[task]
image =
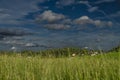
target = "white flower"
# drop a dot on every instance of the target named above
(93, 54)
(73, 55)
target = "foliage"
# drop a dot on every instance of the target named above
(64, 52)
(37, 67)
(115, 49)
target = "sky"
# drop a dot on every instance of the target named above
(49, 24)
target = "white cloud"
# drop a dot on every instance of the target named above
(103, 1)
(109, 23)
(31, 45)
(103, 23)
(57, 26)
(66, 21)
(97, 22)
(85, 20)
(92, 9)
(50, 16)
(3, 15)
(55, 21)
(13, 42)
(85, 3)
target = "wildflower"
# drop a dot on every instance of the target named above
(82, 54)
(73, 55)
(93, 54)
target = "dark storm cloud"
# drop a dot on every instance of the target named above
(14, 31)
(1, 37)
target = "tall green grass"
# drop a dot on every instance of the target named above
(98, 67)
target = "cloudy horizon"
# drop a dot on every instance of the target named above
(48, 24)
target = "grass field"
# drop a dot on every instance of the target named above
(86, 67)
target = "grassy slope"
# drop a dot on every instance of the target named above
(99, 67)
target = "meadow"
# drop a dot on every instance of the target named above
(102, 66)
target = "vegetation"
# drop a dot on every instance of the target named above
(59, 65)
(64, 52)
(116, 49)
